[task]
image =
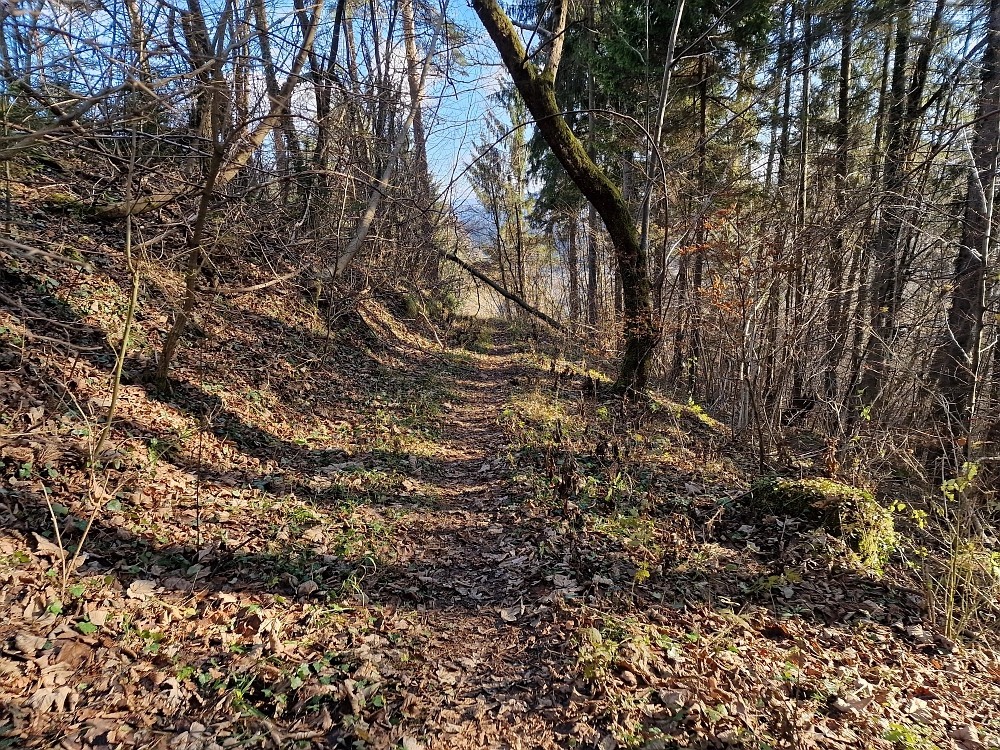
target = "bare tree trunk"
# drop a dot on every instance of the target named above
(573, 261)
(786, 107)
(891, 266)
(592, 266)
(137, 29)
(836, 324)
(779, 71)
(592, 255)
(282, 141)
(375, 195)
(195, 258)
(425, 226)
(959, 362)
(800, 343)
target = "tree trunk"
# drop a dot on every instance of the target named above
(797, 282)
(283, 138)
(835, 324)
(538, 91)
(573, 261)
(959, 360)
(779, 71)
(786, 107)
(428, 260)
(891, 267)
(592, 261)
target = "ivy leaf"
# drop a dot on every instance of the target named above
(86, 627)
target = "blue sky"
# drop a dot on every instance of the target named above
(455, 109)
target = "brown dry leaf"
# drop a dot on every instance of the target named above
(307, 587)
(57, 699)
(409, 701)
(172, 696)
(73, 654)
(28, 644)
(10, 668)
(564, 582)
(45, 547)
(314, 534)
(98, 617)
(510, 614)
(141, 589)
(447, 678)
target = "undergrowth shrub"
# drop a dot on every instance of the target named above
(960, 565)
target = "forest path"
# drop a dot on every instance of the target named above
(472, 565)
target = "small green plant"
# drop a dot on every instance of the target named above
(412, 306)
(596, 654)
(908, 737)
(766, 584)
(163, 448)
(967, 578)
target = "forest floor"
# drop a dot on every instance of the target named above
(349, 536)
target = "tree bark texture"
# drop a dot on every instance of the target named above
(538, 91)
(958, 360)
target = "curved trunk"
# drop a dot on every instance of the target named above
(538, 91)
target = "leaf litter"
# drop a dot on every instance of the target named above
(386, 547)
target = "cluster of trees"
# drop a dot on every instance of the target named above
(798, 198)
(775, 207)
(292, 132)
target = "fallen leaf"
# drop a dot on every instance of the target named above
(314, 534)
(673, 699)
(307, 587)
(564, 582)
(73, 654)
(510, 614)
(57, 699)
(446, 677)
(918, 710)
(28, 644)
(45, 547)
(141, 589)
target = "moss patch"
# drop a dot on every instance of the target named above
(847, 511)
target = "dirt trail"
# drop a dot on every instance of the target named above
(297, 571)
(494, 647)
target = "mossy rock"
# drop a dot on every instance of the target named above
(844, 510)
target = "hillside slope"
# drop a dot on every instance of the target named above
(333, 532)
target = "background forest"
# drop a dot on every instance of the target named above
(812, 186)
(338, 336)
